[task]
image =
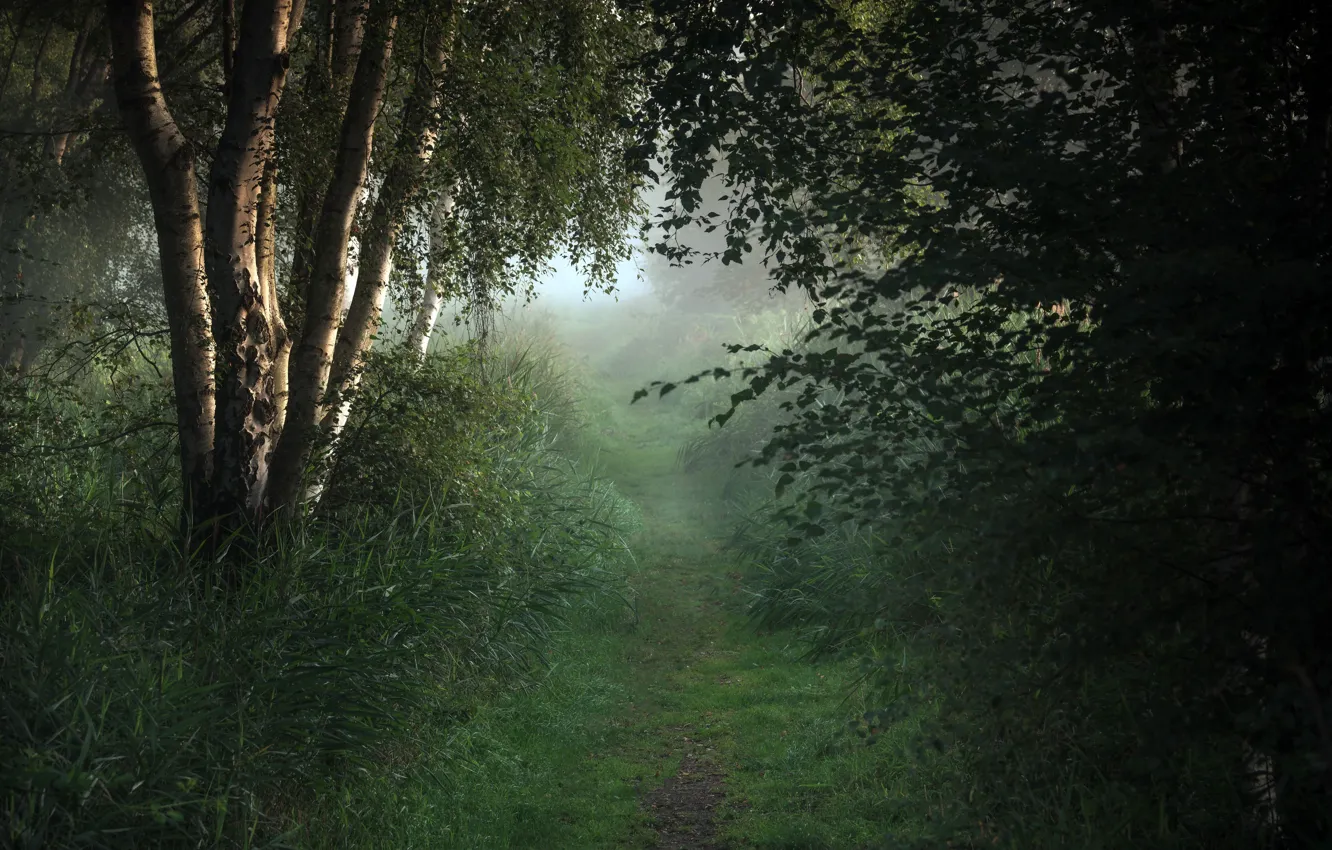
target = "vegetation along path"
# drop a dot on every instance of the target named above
(684, 726)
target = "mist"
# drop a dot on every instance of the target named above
(602, 425)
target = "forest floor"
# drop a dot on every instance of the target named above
(676, 724)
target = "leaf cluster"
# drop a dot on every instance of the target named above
(1068, 368)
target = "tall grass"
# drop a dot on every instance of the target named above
(146, 701)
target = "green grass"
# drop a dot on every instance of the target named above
(633, 688)
(682, 670)
(280, 697)
(472, 674)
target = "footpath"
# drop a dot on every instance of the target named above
(678, 724)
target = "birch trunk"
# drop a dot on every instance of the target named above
(325, 97)
(168, 162)
(418, 341)
(312, 356)
(349, 19)
(35, 89)
(80, 62)
(432, 299)
(228, 38)
(13, 321)
(242, 306)
(88, 87)
(265, 239)
(415, 147)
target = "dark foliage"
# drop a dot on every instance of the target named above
(1070, 366)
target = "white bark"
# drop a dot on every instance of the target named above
(432, 299)
(312, 356)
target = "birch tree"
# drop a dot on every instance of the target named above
(524, 105)
(169, 165)
(313, 354)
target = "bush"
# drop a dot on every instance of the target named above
(1078, 683)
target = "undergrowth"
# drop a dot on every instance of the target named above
(1046, 707)
(1062, 708)
(151, 699)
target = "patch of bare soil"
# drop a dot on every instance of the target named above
(685, 806)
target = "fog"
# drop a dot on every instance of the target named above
(564, 284)
(662, 320)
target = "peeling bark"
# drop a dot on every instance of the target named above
(266, 261)
(243, 328)
(312, 356)
(168, 162)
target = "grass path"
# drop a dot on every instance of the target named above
(676, 726)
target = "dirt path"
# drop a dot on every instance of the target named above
(677, 726)
(683, 809)
(683, 665)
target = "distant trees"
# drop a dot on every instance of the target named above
(254, 124)
(52, 83)
(1088, 382)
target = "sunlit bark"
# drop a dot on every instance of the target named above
(242, 306)
(416, 146)
(168, 162)
(349, 20)
(266, 261)
(313, 354)
(325, 100)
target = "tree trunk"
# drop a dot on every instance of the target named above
(418, 339)
(35, 90)
(168, 162)
(86, 89)
(242, 324)
(265, 238)
(323, 102)
(78, 55)
(415, 147)
(418, 336)
(312, 356)
(13, 322)
(228, 13)
(348, 36)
